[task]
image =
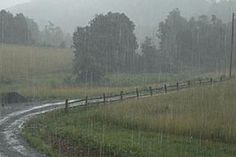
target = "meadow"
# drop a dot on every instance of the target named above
(197, 122)
(46, 73)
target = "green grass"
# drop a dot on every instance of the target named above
(142, 79)
(197, 122)
(46, 73)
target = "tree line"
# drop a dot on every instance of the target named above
(108, 45)
(19, 29)
(201, 44)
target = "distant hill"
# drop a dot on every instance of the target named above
(146, 14)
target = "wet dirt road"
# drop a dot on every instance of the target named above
(12, 118)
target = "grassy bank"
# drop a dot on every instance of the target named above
(198, 122)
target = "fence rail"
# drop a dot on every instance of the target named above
(148, 91)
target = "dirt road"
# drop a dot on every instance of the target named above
(12, 117)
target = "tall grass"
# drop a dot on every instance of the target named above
(203, 112)
(25, 62)
(197, 122)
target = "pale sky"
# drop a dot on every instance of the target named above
(8, 3)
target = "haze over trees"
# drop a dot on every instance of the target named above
(14, 29)
(223, 9)
(146, 14)
(107, 45)
(19, 29)
(198, 44)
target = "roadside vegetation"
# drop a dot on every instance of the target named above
(198, 122)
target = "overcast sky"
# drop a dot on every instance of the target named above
(8, 3)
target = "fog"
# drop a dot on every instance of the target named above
(9, 3)
(145, 14)
(120, 78)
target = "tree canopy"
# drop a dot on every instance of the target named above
(14, 29)
(19, 29)
(106, 45)
(197, 44)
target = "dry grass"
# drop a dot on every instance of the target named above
(48, 92)
(22, 62)
(197, 122)
(203, 112)
(39, 72)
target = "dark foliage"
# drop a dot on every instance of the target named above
(106, 45)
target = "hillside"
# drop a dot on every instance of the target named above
(146, 14)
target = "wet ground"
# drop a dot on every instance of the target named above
(12, 117)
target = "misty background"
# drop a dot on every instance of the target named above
(152, 36)
(145, 14)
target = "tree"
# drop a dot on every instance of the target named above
(14, 29)
(194, 44)
(150, 55)
(6, 27)
(107, 44)
(34, 31)
(52, 35)
(168, 35)
(21, 33)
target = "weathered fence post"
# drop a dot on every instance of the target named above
(150, 88)
(3, 105)
(104, 98)
(66, 105)
(165, 87)
(200, 82)
(137, 92)
(177, 86)
(121, 95)
(86, 100)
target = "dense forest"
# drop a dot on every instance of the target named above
(109, 45)
(19, 29)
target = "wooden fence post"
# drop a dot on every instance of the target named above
(137, 92)
(104, 98)
(66, 105)
(200, 82)
(151, 93)
(211, 80)
(121, 95)
(86, 100)
(165, 87)
(177, 86)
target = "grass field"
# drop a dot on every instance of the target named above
(45, 73)
(26, 63)
(198, 122)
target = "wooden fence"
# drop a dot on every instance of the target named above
(144, 92)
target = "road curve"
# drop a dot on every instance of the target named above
(12, 119)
